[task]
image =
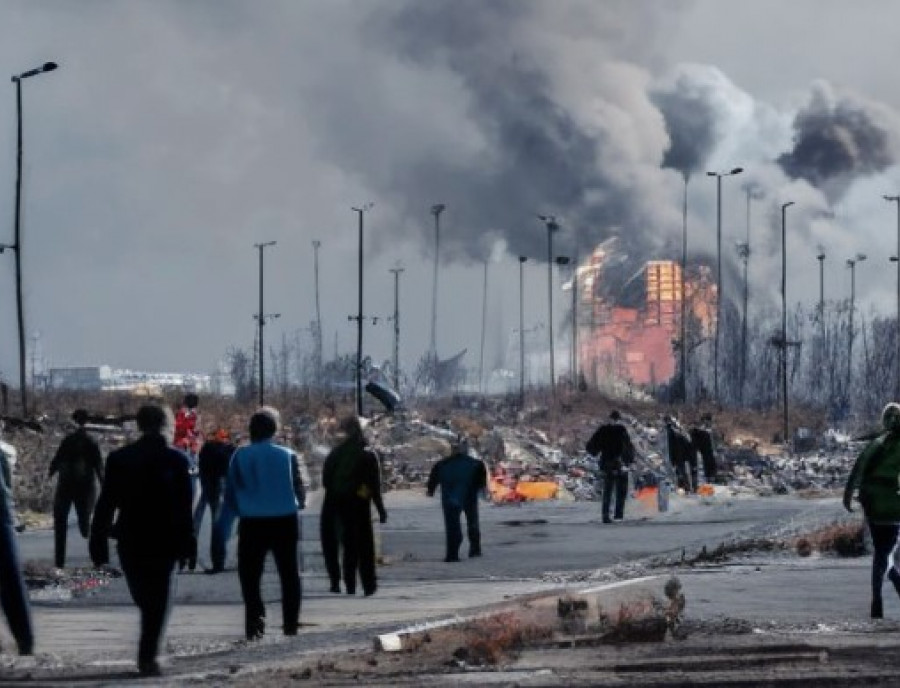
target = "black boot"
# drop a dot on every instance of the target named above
(877, 608)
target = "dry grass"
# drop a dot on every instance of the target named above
(843, 539)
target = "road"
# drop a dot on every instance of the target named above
(528, 548)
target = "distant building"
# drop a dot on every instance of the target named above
(106, 379)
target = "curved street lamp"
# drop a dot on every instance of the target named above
(718, 175)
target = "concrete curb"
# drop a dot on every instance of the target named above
(403, 638)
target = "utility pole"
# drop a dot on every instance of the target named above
(360, 212)
(684, 347)
(522, 260)
(744, 253)
(483, 328)
(397, 272)
(851, 263)
(896, 259)
(784, 342)
(316, 245)
(436, 210)
(552, 226)
(261, 322)
(821, 312)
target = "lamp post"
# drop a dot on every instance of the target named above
(896, 259)
(397, 272)
(684, 214)
(561, 261)
(851, 263)
(483, 328)
(436, 210)
(261, 322)
(522, 260)
(316, 245)
(360, 212)
(784, 384)
(718, 176)
(552, 226)
(17, 237)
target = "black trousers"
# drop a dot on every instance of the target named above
(212, 492)
(884, 540)
(81, 495)
(13, 594)
(346, 524)
(453, 528)
(686, 475)
(151, 582)
(256, 538)
(709, 465)
(615, 482)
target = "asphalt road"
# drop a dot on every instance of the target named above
(528, 548)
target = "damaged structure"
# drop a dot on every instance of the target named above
(633, 334)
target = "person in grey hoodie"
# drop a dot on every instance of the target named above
(265, 489)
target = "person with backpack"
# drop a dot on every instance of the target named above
(876, 477)
(79, 465)
(612, 443)
(351, 477)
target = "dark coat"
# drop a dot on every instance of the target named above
(78, 459)
(612, 443)
(148, 490)
(352, 472)
(214, 458)
(461, 478)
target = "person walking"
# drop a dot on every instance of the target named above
(189, 439)
(462, 479)
(875, 475)
(702, 442)
(351, 477)
(265, 489)
(215, 454)
(682, 456)
(13, 593)
(147, 489)
(612, 443)
(79, 464)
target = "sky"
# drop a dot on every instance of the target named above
(176, 135)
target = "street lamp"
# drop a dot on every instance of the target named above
(560, 262)
(359, 318)
(684, 214)
(784, 342)
(552, 226)
(436, 210)
(896, 199)
(851, 263)
(483, 328)
(718, 176)
(17, 238)
(261, 322)
(318, 343)
(396, 272)
(522, 260)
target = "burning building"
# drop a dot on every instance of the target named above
(631, 332)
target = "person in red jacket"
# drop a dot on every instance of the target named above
(188, 438)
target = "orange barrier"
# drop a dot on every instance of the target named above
(538, 490)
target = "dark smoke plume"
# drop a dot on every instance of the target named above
(538, 159)
(835, 143)
(690, 120)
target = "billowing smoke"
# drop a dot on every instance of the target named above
(836, 141)
(539, 155)
(691, 122)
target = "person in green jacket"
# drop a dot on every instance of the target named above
(876, 475)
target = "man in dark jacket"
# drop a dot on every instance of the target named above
(148, 489)
(213, 465)
(682, 455)
(613, 444)
(702, 441)
(265, 489)
(13, 593)
(351, 477)
(78, 462)
(462, 478)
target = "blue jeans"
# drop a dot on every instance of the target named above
(222, 529)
